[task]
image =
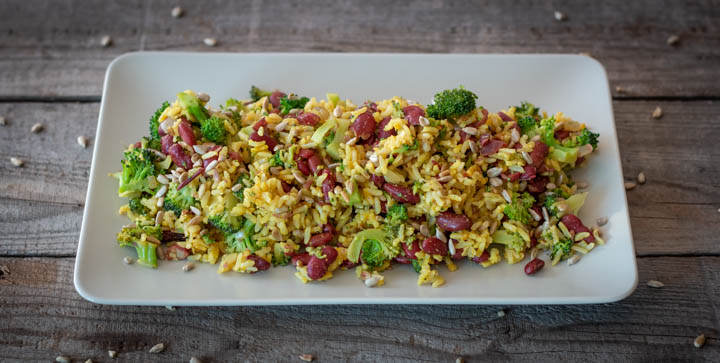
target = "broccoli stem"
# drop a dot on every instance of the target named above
(146, 253)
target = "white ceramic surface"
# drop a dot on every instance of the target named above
(136, 83)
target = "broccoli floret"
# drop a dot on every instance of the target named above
(213, 129)
(242, 239)
(550, 199)
(375, 253)
(588, 137)
(450, 104)
(178, 200)
(416, 266)
(137, 167)
(287, 104)
(257, 93)
(193, 107)
(526, 109)
(511, 240)
(243, 179)
(562, 247)
(559, 152)
(396, 215)
(406, 148)
(528, 125)
(154, 123)
(519, 209)
(137, 207)
(147, 143)
(279, 257)
(276, 160)
(398, 113)
(146, 250)
(226, 223)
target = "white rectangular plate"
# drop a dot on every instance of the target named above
(137, 83)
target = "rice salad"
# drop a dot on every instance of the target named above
(327, 185)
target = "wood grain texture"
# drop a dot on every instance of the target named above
(44, 317)
(674, 213)
(51, 49)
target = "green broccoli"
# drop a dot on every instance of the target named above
(559, 152)
(526, 109)
(146, 250)
(528, 125)
(194, 109)
(279, 257)
(562, 247)
(396, 215)
(226, 223)
(509, 239)
(154, 123)
(416, 266)
(519, 209)
(147, 143)
(241, 239)
(405, 148)
(287, 104)
(375, 253)
(257, 93)
(450, 104)
(178, 200)
(417, 186)
(550, 199)
(244, 180)
(398, 113)
(137, 167)
(137, 207)
(586, 137)
(276, 160)
(213, 129)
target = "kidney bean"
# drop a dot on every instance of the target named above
(529, 173)
(573, 223)
(166, 142)
(186, 132)
(413, 113)
(190, 179)
(561, 134)
(303, 259)
(316, 268)
(329, 228)
(176, 253)
(504, 116)
(511, 177)
(348, 264)
(161, 132)
(306, 153)
(179, 157)
(491, 146)
(458, 252)
(539, 153)
(533, 242)
(452, 222)
(378, 180)
(534, 266)
(401, 194)
(302, 165)
(235, 155)
(314, 162)
(260, 123)
(485, 116)
(207, 161)
(381, 133)
(371, 106)
(537, 185)
(579, 160)
(308, 118)
(328, 184)
(330, 255)
(482, 258)
(170, 236)
(402, 260)
(269, 141)
(435, 246)
(260, 263)
(383, 207)
(275, 98)
(411, 250)
(364, 126)
(320, 239)
(285, 186)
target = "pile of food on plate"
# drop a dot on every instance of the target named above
(329, 185)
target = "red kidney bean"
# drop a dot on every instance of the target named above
(411, 250)
(539, 153)
(537, 185)
(511, 177)
(320, 239)
(306, 153)
(316, 268)
(434, 246)
(179, 157)
(485, 116)
(329, 228)
(381, 133)
(166, 142)
(579, 160)
(269, 141)
(260, 123)
(364, 126)
(529, 173)
(314, 162)
(534, 266)
(402, 260)
(482, 258)
(275, 98)
(383, 207)
(186, 132)
(492, 146)
(533, 242)
(260, 263)
(328, 184)
(401, 194)
(176, 253)
(561, 134)
(170, 236)
(348, 264)
(285, 186)
(330, 255)
(371, 106)
(573, 223)
(137, 145)
(188, 180)
(302, 165)
(378, 180)
(303, 259)
(452, 222)
(235, 155)
(458, 252)
(504, 116)
(413, 113)
(161, 132)
(308, 118)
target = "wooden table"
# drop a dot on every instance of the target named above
(51, 71)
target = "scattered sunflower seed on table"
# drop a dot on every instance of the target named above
(112, 353)
(657, 113)
(36, 128)
(106, 41)
(641, 178)
(655, 284)
(210, 42)
(699, 341)
(560, 16)
(157, 348)
(630, 185)
(673, 40)
(176, 12)
(17, 162)
(306, 357)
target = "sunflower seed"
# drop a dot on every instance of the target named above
(582, 185)
(506, 195)
(371, 282)
(128, 260)
(424, 230)
(561, 207)
(673, 40)
(163, 189)
(501, 313)
(526, 157)
(160, 202)
(211, 166)
(62, 359)
(195, 210)
(514, 135)
(106, 41)
(445, 179)
(473, 147)
(210, 42)
(655, 284)
(153, 240)
(496, 182)
(573, 260)
(493, 172)
(550, 186)
(493, 227)
(82, 141)
(535, 215)
(195, 220)
(194, 360)
(560, 16)
(470, 130)
(17, 162)
(619, 89)
(641, 178)
(534, 253)
(546, 216)
(281, 126)
(630, 185)
(423, 121)
(535, 138)
(3, 121)
(337, 112)
(157, 348)
(657, 113)
(36, 128)
(451, 247)
(440, 235)
(112, 353)
(699, 341)
(159, 217)
(602, 221)
(176, 12)
(309, 357)
(298, 176)
(89, 361)
(203, 97)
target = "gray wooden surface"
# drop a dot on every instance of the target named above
(51, 71)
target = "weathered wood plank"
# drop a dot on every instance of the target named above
(674, 213)
(52, 48)
(43, 317)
